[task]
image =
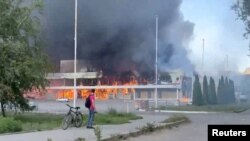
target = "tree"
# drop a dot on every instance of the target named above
(242, 9)
(205, 90)
(212, 92)
(226, 92)
(197, 94)
(23, 65)
(231, 92)
(220, 91)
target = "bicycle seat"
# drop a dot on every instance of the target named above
(77, 108)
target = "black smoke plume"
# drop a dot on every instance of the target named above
(117, 36)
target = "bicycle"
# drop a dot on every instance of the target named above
(72, 117)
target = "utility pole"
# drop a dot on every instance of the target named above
(75, 38)
(203, 42)
(227, 68)
(227, 61)
(156, 59)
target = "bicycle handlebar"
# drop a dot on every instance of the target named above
(72, 107)
(68, 105)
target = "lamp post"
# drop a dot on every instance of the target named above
(75, 44)
(203, 44)
(156, 59)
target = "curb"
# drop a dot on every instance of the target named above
(139, 132)
(186, 112)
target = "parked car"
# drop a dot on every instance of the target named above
(241, 97)
(32, 105)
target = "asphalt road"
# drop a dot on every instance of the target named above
(52, 106)
(197, 129)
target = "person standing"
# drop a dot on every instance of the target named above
(91, 109)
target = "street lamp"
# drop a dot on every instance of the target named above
(156, 58)
(203, 44)
(75, 43)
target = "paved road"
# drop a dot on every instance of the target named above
(101, 105)
(197, 129)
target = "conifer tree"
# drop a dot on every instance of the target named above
(197, 94)
(205, 90)
(212, 92)
(232, 91)
(226, 94)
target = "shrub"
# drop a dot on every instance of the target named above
(149, 127)
(176, 118)
(9, 125)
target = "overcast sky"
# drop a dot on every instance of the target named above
(223, 34)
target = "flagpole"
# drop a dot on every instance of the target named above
(75, 43)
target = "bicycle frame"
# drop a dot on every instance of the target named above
(72, 117)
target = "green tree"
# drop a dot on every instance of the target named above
(205, 90)
(226, 91)
(197, 93)
(23, 65)
(242, 9)
(220, 91)
(231, 92)
(212, 99)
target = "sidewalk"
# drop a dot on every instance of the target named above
(73, 133)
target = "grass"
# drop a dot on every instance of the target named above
(114, 117)
(38, 121)
(28, 122)
(210, 108)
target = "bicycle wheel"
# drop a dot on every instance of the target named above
(78, 120)
(66, 121)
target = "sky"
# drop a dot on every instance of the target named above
(225, 48)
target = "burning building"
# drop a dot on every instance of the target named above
(116, 40)
(85, 76)
(177, 87)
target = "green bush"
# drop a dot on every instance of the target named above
(149, 127)
(9, 125)
(176, 118)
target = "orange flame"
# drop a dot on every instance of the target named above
(65, 94)
(185, 99)
(101, 94)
